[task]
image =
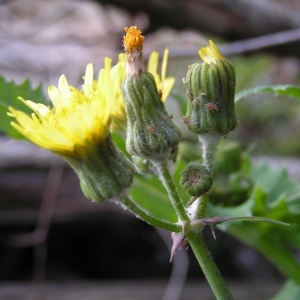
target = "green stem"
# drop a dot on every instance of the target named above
(168, 182)
(129, 203)
(205, 260)
(195, 239)
(209, 148)
(208, 266)
(202, 205)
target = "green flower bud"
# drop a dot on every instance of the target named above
(188, 151)
(151, 133)
(232, 190)
(104, 172)
(240, 184)
(229, 158)
(196, 179)
(210, 89)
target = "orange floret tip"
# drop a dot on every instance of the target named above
(133, 40)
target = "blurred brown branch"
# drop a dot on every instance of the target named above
(231, 20)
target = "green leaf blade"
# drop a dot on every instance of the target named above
(9, 93)
(283, 90)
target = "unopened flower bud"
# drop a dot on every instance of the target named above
(196, 179)
(229, 158)
(151, 133)
(210, 89)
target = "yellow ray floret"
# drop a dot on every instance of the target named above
(210, 54)
(164, 84)
(118, 74)
(77, 118)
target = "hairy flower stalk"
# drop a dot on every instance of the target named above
(210, 89)
(77, 128)
(210, 114)
(151, 133)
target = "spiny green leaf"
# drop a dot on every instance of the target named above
(293, 202)
(258, 198)
(275, 182)
(9, 93)
(275, 196)
(284, 90)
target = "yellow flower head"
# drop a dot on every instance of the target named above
(164, 85)
(210, 54)
(133, 40)
(77, 119)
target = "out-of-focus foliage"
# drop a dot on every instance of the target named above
(283, 90)
(10, 92)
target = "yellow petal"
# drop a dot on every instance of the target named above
(77, 119)
(210, 54)
(63, 87)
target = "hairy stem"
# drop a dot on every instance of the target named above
(209, 148)
(208, 266)
(141, 213)
(202, 205)
(168, 182)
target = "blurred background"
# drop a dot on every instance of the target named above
(49, 233)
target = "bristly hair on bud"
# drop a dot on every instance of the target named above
(133, 45)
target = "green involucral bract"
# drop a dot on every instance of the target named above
(104, 171)
(210, 90)
(151, 133)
